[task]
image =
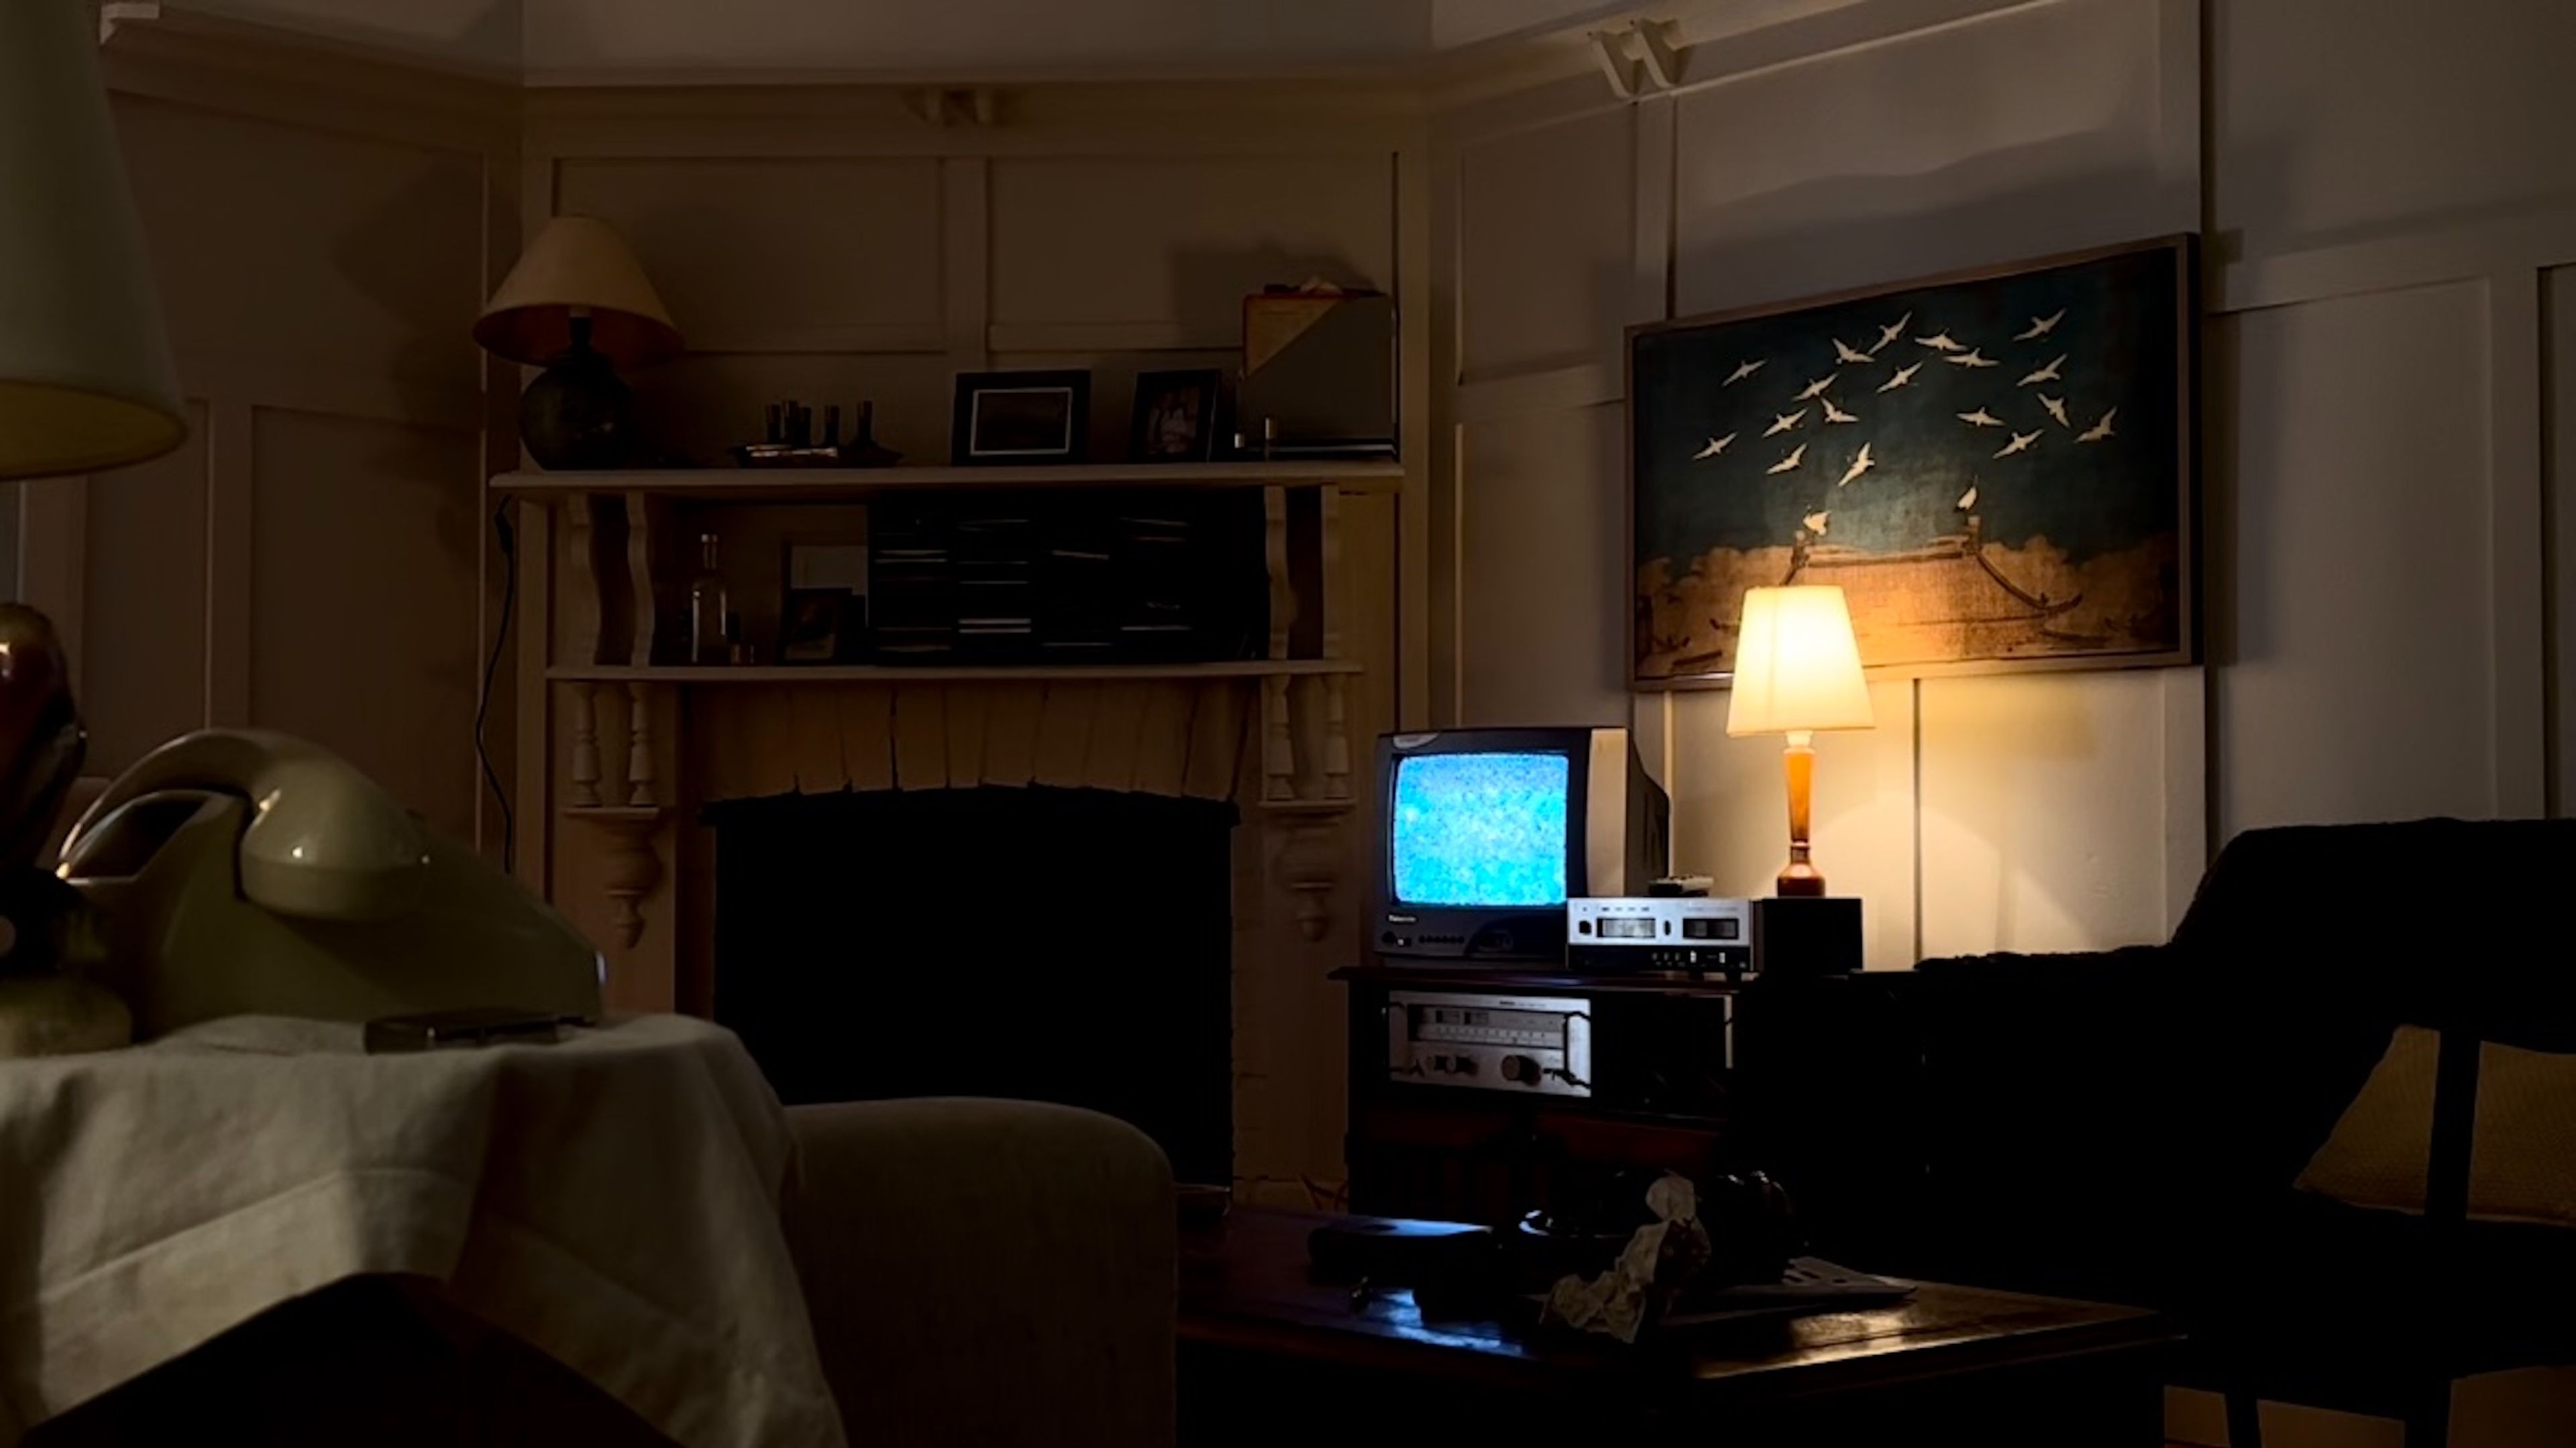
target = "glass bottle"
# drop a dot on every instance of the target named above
(710, 611)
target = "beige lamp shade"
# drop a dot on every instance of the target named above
(85, 377)
(577, 266)
(1796, 665)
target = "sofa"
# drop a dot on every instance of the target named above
(1000, 1274)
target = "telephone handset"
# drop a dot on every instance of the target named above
(240, 871)
(324, 842)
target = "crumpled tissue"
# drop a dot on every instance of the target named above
(1649, 1273)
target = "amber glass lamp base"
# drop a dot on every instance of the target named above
(1801, 877)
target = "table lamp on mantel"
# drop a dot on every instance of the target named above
(1797, 670)
(577, 304)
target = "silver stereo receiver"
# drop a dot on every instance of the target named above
(1528, 1043)
(1696, 933)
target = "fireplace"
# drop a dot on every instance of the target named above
(1053, 944)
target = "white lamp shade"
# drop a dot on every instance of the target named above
(577, 266)
(1796, 664)
(85, 377)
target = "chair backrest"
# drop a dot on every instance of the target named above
(2327, 937)
(2439, 923)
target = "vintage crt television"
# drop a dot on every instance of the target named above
(1485, 833)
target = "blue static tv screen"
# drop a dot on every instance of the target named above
(1481, 829)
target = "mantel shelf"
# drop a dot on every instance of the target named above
(829, 485)
(942, 673)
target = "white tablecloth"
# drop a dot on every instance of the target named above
(610, 1200)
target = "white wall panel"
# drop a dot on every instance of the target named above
(1181, 240)
(301, 250)
(2044, 800)
(2357, 679)
(1546, 226)
(1542, 610)
(766, 254)
(363, 599)
(2349, 120)
(2038, 129)
(144, 679)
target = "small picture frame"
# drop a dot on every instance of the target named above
(811, 624)
(1175, 416)
(1021, 417)
(823, 612)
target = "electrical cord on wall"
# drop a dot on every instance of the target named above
(509, 540)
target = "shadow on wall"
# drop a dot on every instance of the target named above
(1993, 209)
(376, 257)
(1543, 574)
(1208, 287)
(488, 38)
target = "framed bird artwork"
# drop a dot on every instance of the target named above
(1997, 467)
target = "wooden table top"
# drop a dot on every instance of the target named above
(1247, 1286)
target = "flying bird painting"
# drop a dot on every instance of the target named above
(1967, 529)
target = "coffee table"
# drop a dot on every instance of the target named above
(1270, 1356)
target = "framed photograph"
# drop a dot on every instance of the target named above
(823, 614)
(811, 624)
(1998, 468)
(1021, 417)
(1175, 420)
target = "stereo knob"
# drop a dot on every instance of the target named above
(1520, 1068)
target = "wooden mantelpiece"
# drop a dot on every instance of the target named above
(635, 747)
(845, 485)
(714, 675)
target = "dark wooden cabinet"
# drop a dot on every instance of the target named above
(1800, 1076)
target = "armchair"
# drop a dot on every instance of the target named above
(2132, 1125)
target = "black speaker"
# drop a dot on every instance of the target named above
(1807, 935)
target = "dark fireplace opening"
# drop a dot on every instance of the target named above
(1067, 945)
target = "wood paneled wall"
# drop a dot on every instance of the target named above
(314, 559)
(830, 244)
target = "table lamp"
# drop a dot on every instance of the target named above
(577, 304)
(86, 385)
(1797, 670)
